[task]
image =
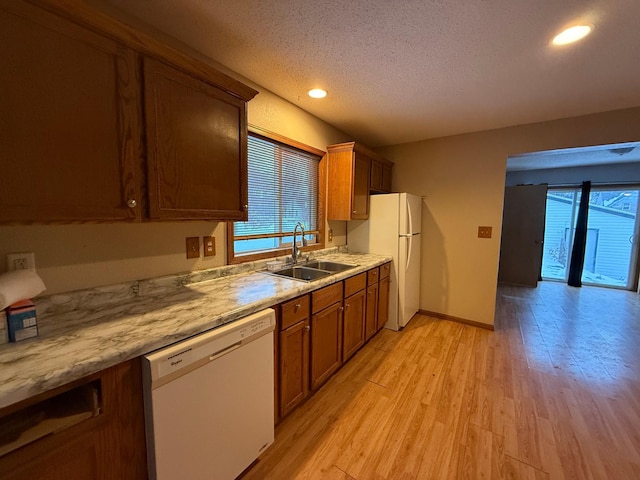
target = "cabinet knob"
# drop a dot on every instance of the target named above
(346, 306)
(341, 309)
(307, 328)
(131, 203)
(353, 211)
(298, 306)
(246, 207)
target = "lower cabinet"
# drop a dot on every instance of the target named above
(371, 317)
(383, 302)
(318, 332)
(293, 355)
(92, 428)
(354, 314)
(326, 344)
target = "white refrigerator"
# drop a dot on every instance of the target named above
(393, 228)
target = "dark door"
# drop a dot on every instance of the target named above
(522, 234)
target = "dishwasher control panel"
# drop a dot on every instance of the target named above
(207, 346)
(254, 328)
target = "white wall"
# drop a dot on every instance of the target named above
(70, 257)
(463, 179)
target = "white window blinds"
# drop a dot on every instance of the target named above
(283, 190)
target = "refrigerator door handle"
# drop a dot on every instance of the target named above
(410, 217)
(409, 242)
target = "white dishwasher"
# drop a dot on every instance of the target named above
(209, 401)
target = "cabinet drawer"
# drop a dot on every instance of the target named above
(385, 270)
(372, 276)
(355, 284)
(326, 296)
(294, 311)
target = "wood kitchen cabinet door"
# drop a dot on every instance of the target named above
(353, 324)
(326, 344)
(383, 302)
(371, 317)
(294, 366)
(196, 147)
(104, 447)
(380, 176)
(348, 182)
(70, 128)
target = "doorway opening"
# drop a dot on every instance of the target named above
(612, 235)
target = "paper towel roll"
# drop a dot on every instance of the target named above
(19, 285)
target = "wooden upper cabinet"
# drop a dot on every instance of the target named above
(354, 171)
(196, 147)
(380, 175)
(348, 182)
(70, 131)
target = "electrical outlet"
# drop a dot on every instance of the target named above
(193, 247)
(484, 232)
(21, 261)
(331, 234)
(209, 244)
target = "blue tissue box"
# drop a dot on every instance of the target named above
(22, 321)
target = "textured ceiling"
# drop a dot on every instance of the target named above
(405, 70)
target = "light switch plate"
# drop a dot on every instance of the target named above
(193, 247)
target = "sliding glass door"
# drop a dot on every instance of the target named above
(612, 235)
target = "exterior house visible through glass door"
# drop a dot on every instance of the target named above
(612, 235)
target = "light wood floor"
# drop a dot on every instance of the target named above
(553, 393)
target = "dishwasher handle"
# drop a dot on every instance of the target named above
(224, 351)
(169, 363)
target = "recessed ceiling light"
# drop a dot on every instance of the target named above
(572, 34)
(317, 93)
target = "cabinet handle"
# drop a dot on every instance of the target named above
(307, 328)
(131, 203)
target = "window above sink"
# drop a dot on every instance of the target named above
(285, 178)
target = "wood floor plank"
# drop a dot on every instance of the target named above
(552, 393)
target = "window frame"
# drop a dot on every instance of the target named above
(232, 258)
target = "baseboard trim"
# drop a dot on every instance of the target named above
(466, 321)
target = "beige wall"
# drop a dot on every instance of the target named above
(462, 179)
(70, 257)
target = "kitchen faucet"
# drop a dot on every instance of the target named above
(295, 251)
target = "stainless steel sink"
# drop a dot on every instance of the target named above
(329, 266)
(302, 273)
(312, 270)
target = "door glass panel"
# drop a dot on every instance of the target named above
(612, 234)
(560, 222)
(612, 225)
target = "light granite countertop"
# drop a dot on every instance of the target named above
(81, 333)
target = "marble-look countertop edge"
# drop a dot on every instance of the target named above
(93, 341)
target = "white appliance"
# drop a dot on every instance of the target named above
(393, 228)
(209, 401)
